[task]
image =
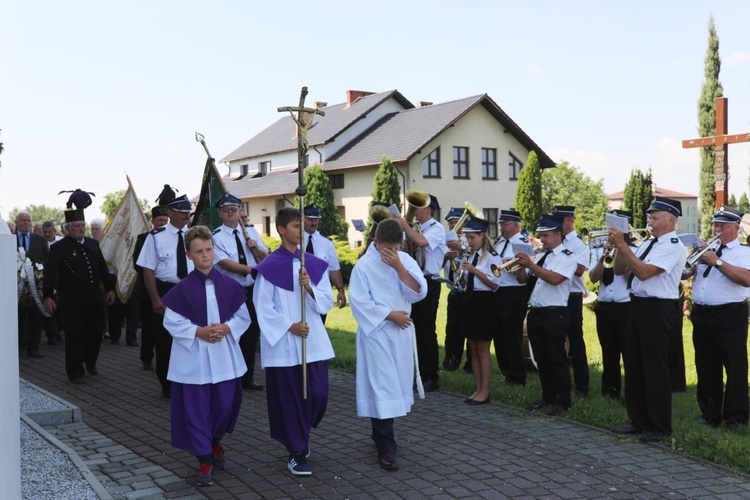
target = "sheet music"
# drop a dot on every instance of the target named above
(690, 240)
(359, 225)
(526, 248)
(617, 221)
(393, 209)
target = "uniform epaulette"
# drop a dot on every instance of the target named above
(567, 252)
(492, 251)
(216, 230)
(326, 237)
(524, 240)
(249, 225)
(674, 240)
(158, 230)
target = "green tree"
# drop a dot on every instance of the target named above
(320, 193)
(710, 91)
(638, 196)
(732, 201)
(40, 213)
(386, 186)
(744, 204)
(529, 192)
(112, 200)
(567, 185)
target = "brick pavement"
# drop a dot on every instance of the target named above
(446, 449)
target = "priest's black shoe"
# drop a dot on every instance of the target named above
(253, 386)
(651, 437)
(537, 406)
(627, 429)
(78, 380)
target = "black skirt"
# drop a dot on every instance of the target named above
(478, 315)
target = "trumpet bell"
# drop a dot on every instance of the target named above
(469, 211)
(378, 213)
(416, 199)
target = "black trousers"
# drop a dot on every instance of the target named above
(382, 434)
(424, 314)
(162, 341)
(146, 315)
(577, 345)
(454, 341)
(29, 327)
(249, 339)
(720, 339)
(547, 328)
(83, 326)
(508, 338)
(677, 379)
(648, 393)
(114, 319)
(612, 329)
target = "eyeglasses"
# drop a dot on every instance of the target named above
(229, 210)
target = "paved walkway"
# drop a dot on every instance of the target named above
(447, 449)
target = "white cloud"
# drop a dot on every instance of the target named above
(737, 58)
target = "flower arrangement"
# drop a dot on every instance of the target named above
(30, 280)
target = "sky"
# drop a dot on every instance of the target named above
(94, 90)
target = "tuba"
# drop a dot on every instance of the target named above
(378, 213)
(469, 211)
(416, 199)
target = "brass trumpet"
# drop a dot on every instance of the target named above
(692, 261)
(511, 266)
(469, 211)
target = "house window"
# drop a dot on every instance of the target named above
(489, 163)
(264, 168)
(337, 181)
(490, 214)
(431, 164)
(243, 170)
(341, 211)
(514, 167)
(460, 162)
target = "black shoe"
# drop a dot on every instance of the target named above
(166, 392)
(132, 343)
(651, 437)
(468, 400)
(148, 365)
(452, 364)
(627, 429)
(34, 353)
(78, 380)
(387, 461)
(431, 385)
(537, 406)
(92, 370)
(557, 410)
(476, 402)
(468, 369)
(253, 386)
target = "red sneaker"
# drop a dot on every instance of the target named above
(204, 475)
(218, 455)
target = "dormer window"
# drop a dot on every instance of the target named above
(264, 168)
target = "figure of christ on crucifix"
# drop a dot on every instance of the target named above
(303, 117)
(720, 142)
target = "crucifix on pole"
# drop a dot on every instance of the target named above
(303, 117)
(720, 142)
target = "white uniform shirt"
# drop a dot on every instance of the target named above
(159, 253)
(668, 253)
(57, 238)
(617, 291)
(435, 250)
(484, 265)
(195, 361)
(279, 309)
(716, 289)
(323, 248)
(573, 243)
(509, 279)
(563, 262)
(225, 248)
(385, 352)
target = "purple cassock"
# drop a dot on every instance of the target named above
(203, 414)
(291, 417)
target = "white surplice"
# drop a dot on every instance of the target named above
(279, 309)
(195, 361)
(385, 352)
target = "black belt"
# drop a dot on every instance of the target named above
(547, 309)
(577, 294)
(720, 306)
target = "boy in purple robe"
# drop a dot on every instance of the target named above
(206, 316)
(278, 300)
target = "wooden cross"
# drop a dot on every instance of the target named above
(720, 142)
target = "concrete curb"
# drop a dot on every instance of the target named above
(67, 415)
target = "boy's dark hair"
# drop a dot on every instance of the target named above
(389, 231)
(287, 215)
(197, 233)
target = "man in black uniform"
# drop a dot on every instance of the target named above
(77, 270)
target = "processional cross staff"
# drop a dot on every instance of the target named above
(303, 117)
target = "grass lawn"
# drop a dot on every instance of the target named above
(730, 448)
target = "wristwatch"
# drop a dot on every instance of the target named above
(719, 263)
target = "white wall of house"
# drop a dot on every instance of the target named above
(278, 160)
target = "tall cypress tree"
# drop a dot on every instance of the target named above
(710, 91)
(386, 187)
(529, 191)
(638, 196)
(320, 193)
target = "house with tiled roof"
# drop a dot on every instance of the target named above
(688, 223)
(463, 150)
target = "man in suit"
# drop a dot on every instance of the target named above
(29, 315)
(77, 270)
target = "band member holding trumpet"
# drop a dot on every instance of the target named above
(548, 321)
(612, 311)
(721, 286)
(235, 252)
(478, 299)
(323, 248)
(430, 240)
(654, 272)
(509, 304)
(578, 355)
(454, 341)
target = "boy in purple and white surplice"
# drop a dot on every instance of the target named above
(277, 297)
(206, 316)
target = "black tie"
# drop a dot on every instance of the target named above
(470, 279)
(309, 248)
(23, 241)
(240, 249)
(718, 254)
(505, 247)
(181, 257)
(531, 282)
(642, 257)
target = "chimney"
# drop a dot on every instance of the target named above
(353, 96)
(423, 104)
(319, 104)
